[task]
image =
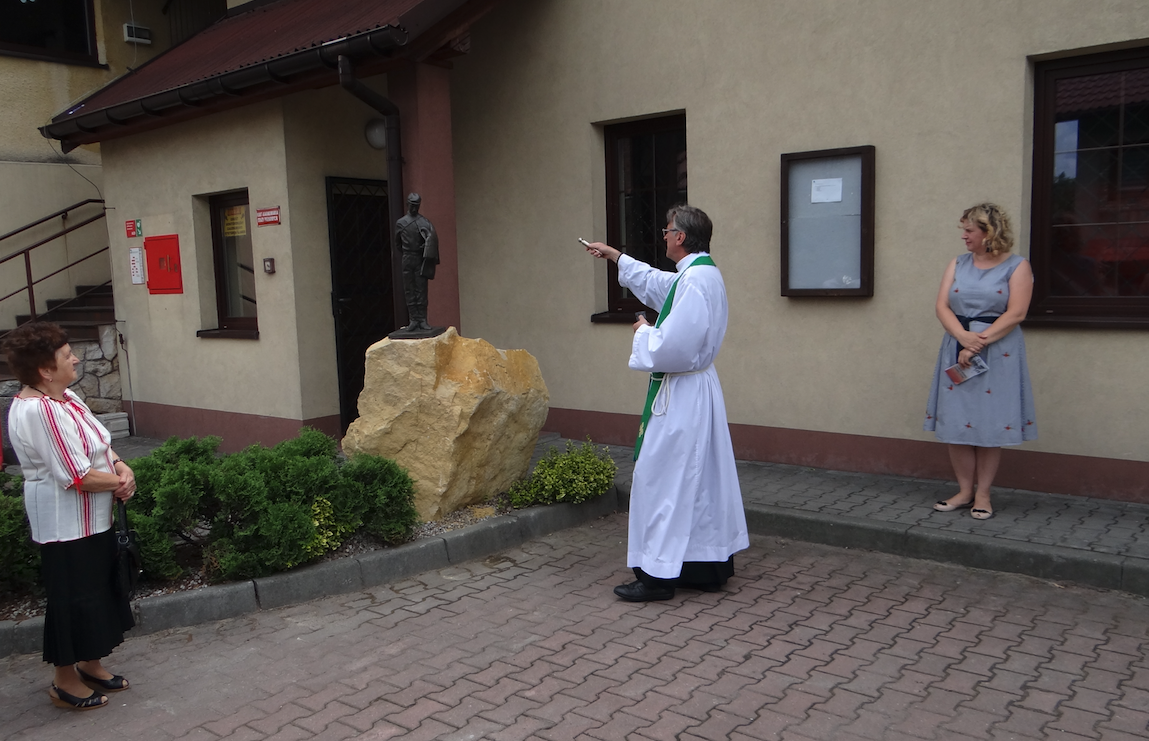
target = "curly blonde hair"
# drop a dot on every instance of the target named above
(994, 223)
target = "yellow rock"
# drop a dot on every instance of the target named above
(460, 415)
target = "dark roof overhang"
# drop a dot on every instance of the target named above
(134, 103)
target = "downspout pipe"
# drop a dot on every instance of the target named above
(395, 198)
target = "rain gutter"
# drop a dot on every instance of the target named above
(73, 130)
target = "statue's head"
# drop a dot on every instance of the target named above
(413, 203)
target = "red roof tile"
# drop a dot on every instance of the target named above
(1091, 92)
(251, 38)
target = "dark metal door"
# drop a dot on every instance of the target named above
(361, 279)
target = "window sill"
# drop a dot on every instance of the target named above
(228, 334)
(75, 59)
(1085, 322)
(612, 317)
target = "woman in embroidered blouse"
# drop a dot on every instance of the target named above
(71, 477)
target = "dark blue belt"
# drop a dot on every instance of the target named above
(967, 320)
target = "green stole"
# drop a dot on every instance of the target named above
(658, 377)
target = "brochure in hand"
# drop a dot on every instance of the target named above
(958, 374)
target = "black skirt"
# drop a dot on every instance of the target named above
(84, 619)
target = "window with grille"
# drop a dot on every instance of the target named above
(646, 175)
(1090, 228)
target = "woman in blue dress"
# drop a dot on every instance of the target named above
(984, 296)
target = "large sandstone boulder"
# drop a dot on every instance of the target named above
(461, 416)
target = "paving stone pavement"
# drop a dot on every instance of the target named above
(1099, 526)
(807, 642)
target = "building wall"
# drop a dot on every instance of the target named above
(164, 178)
(281, 151)
(324, 132)
(944, 93)
(36, 178)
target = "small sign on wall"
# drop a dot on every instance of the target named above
(134, 227)
(267, 216)
(136, 265)
(235, 221)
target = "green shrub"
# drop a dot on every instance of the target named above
(156, 551)
(167, 468)
(384, 493)
(253, 513)
(274, 541)
(171, 499)
(256, 530)
(581, 473)
(311, 443)
(280, 507)
(19, 555)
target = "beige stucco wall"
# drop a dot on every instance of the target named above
(36, 178)
(281, 151)
(324, 134)
(163, 178)
(942, 90)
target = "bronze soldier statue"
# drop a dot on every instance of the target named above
(419, 245)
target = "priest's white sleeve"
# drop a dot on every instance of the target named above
(649, 285)
(684, 341)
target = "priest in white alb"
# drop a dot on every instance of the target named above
(686, 516)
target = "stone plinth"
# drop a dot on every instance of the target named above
(461, 416)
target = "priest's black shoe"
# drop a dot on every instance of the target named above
(639, 592)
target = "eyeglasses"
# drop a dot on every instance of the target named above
(672, 229)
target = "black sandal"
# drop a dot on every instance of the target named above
(115, 684)
(64, 700)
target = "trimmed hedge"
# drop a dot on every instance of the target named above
(252, 513)
(19, 555)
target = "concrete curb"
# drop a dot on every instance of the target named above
(1124, 573)
(339, 576)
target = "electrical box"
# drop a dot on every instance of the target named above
(162, 254)
(134, 34)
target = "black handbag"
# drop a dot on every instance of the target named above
(128, 560)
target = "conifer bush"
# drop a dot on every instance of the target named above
(249, 514)
(19, 555)
(384, 494)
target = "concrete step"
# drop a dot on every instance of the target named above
(99, 298)
(117, 424)
(74, 313)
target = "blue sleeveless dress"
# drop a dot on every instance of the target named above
(996, 408)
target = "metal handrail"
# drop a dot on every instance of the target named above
(27, 251)
(49, 217)
(57, 272)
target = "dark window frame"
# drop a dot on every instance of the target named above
(233, 327)
(89, 59)
(1047, 309)
(620, 308)
(865, 246)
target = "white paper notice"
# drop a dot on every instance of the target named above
(827, 190)
(136, 261)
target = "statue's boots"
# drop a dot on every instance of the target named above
(418, 321)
